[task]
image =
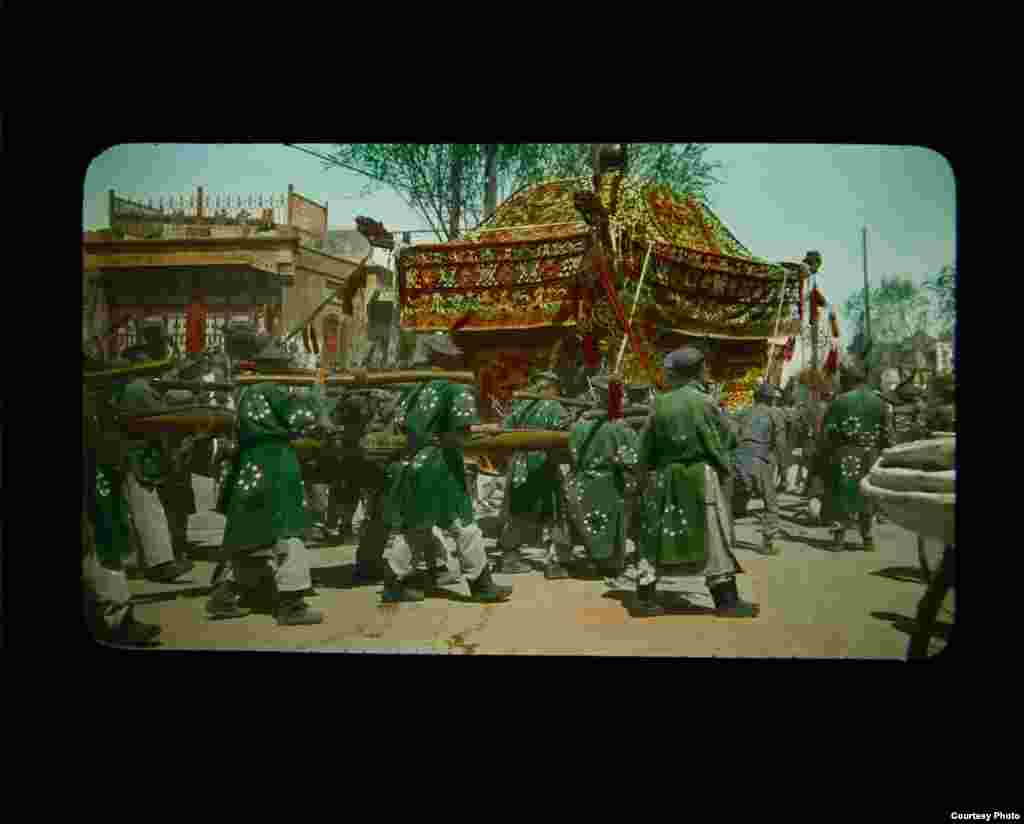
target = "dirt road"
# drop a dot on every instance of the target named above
(814, 604)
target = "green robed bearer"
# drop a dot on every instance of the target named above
(686, 519)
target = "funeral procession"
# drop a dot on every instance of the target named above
(520, 399)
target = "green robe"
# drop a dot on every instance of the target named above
(685, 432)
(429, 488)
(266, 499)
(604, 454)
(150, 460)
(533, 486)
(110, 516)
(857, 426)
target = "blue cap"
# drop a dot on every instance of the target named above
(683, 359)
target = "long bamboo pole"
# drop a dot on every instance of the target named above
(636, 298)
(364, 379)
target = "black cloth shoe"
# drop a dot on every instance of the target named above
(728, 603)
(512, 564)
(168, 572)
(646, 605)
(554, 571)
(225, 602)
(587, 571)
(132, 632)
(485, 590)
(443, 577)
(364, 573)
(292, 611)
(397, 591)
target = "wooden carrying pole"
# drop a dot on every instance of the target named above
(364, 379)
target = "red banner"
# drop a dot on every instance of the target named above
(195, 327)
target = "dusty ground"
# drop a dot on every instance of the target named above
(814, 604)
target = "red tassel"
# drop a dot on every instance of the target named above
(591, 357)
(790, 348)
(488, 389)
(195, 335)
(817, 302)
(460, 322)
(832, 362)
(615, 395)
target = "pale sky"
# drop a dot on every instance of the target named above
(780, 200)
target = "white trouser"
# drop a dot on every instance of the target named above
(109, 587)
(150, 523)
(469, 549)
(287, 561)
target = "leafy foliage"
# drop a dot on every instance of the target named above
(900, 308)
(943, 290)
(422, 173)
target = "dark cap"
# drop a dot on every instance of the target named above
(274, 354)
(243, 342)
(634, 393)
(684, 359)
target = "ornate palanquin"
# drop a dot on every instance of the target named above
(530, 268)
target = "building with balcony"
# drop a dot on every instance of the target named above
(257, 259)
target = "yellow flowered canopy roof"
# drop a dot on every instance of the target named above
(646, 210)
(520, 270)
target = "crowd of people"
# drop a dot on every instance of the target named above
(638, 506)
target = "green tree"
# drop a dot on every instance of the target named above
(900, 308)
(679, 165)
(943, 289)
(447, 183)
